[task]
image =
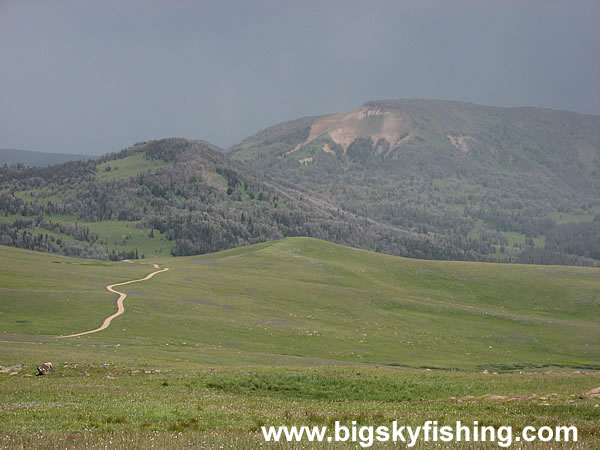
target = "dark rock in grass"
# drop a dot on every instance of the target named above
(44, 369)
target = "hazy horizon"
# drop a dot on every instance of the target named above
(92, 78)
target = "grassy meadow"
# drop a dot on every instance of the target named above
(298, 331)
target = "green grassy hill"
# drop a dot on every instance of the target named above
(297, 332)
(305, 298)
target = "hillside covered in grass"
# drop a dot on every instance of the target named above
(303, 298)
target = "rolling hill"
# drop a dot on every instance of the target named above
(307, 298)
(512, 184)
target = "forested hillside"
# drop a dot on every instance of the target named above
(178, 197)
(508, 184)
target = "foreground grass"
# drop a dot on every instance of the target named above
(122, 403)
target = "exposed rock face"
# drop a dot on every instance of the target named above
(44, 369)
(462, 142)
(366, 121)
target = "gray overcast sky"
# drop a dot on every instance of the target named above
(97, 76)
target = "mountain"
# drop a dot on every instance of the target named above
(511, 184)
(418, 178)
(179, 197)
(39, 159)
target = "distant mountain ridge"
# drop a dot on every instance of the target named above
(37, 159)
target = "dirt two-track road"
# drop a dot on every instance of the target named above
(120, 306)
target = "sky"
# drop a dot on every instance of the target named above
(92, 77)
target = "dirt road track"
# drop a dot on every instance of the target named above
(120, 306)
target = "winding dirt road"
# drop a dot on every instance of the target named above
(120, 307)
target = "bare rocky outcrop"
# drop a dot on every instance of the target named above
(44, 369)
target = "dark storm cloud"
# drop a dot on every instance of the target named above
(93, 77)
